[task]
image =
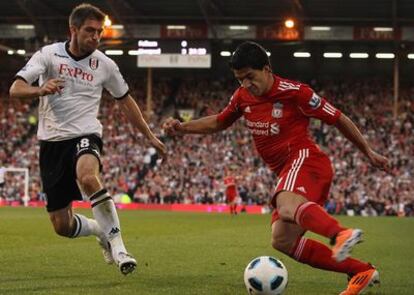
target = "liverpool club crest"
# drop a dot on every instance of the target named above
(277, 111)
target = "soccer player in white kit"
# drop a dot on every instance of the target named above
(71, 76)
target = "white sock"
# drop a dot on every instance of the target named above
(105, 214)
(85, 226)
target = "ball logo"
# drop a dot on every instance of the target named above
(315, 101)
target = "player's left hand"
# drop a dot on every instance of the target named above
(159, 146)
(379, 161)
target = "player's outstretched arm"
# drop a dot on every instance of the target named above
(205, 125)
(134, 114)
(351, 132)
(20, 89)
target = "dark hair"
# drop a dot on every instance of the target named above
(249, 55)
(83, 12)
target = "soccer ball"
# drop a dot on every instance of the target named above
(265, 275)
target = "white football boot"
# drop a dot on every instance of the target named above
(106, 249)
(126, 262)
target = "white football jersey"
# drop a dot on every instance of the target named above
(74, 112)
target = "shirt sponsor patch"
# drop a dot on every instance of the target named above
(315, 101)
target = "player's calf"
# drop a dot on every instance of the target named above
(282, 244)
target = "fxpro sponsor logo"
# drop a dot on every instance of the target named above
(77, 73)
(263, 128)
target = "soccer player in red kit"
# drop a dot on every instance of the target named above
(277, 113)
(231, 192)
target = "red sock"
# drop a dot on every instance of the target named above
(312, 217)
(319, 256)
(235, 208)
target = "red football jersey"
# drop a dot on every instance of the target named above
(229, 181)
(279, 119)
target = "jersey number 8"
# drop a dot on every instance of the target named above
(84, 143)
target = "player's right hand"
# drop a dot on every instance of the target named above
(171, 126)
(51, 87)
(379, 161)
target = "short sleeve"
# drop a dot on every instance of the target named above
(115, 83)
(312, 105)
(35, 67)
(232, 111)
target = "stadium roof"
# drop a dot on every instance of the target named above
(375, 12)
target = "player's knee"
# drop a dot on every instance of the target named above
(89, 182)
(281, 244)
(286, 213)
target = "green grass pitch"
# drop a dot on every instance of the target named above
(184, 253)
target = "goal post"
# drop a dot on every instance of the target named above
(25, 171)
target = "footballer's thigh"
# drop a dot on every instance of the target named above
(284, 235)
(87, 173)
(62, 220)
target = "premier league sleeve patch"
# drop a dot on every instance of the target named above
(315, 101)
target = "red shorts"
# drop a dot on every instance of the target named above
(308, 173)
(231, 194)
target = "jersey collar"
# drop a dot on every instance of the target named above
(273, 89)
(76, 58)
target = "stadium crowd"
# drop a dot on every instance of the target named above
(196, 165)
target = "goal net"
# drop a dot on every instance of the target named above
(14, 185)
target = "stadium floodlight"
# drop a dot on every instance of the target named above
(410, 56)
(332, 54)
(301, 54)
(114, 52)
(358, 55)
(383, 29)
(10, 52)
(289, 23)
(117, 27)
(175, 27)
(239, 28)
(107, 21)
(21, 51)
(385, 55)
(268, 53)
(133, 52)
(317, 28)
(25, 27)
(225, 53)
